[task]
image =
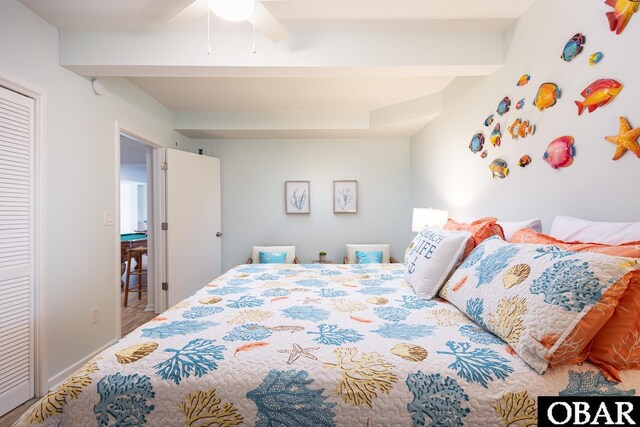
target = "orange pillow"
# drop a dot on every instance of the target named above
(481, 229)
(577, 346)
(527, 235)
(617, 345)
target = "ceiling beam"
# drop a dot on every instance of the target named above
(164, 54)
(426, 106)
(222, 120)
(404, 118)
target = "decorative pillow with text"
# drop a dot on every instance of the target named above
(431, 258)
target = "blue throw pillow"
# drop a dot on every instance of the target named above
(373, 257)
(272, 258)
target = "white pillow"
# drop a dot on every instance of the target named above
(572, 229)
(290, 250)
(432, 257)
(510, 227)
(351, 252)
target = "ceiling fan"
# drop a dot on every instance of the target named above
(235, 11)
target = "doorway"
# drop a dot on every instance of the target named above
(175, 181)
(136, 233)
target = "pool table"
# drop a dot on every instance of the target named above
(133, 240)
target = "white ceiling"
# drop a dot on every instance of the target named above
(397, 25)
(317, 15)
(287, 94)
(398, 9)
(293, 76)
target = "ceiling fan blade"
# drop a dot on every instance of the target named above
(192, 12)
(267, 24)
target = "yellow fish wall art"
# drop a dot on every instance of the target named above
(547, 96)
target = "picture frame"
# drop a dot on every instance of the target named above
(345, 196)
(297, 197)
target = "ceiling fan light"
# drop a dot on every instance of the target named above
(232, 10)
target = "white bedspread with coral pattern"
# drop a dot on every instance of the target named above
(311, 345)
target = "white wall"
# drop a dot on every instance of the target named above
(133, 206)
(141, 204)
(133, 196)
(253, 208)
(81, 265)
(133, 173)
(445, 174)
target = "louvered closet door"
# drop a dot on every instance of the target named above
(16, 243)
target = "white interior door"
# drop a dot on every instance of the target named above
(192, 208)
(16, 249)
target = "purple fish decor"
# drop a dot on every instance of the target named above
(573, 47)
(477, 143)
(503, 106)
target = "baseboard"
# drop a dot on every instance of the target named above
(57, 379)
(150, 307)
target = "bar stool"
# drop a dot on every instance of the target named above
(135, 253)
(123, 264)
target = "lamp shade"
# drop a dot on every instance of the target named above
(232, 10)
(428, 217)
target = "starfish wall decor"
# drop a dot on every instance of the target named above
(626, 140)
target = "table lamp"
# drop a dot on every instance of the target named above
(428, 217)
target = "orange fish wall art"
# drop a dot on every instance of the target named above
(598, 94)
(623, 11)
(547, 96)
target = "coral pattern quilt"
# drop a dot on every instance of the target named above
(312, 345)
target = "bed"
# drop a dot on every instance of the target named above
(312, 345)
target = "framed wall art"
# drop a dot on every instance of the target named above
(297, 199)
(345, 196)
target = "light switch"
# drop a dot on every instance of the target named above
(108, 218)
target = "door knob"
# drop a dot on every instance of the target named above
(218, 234)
